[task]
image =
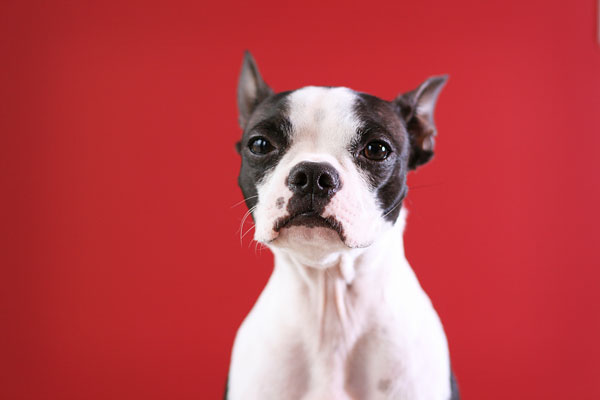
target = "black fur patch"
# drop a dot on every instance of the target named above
(454, 393)
(380, 121)
(269, 120)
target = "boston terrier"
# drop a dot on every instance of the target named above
(342, 316)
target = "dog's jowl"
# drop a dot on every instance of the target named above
(343, 315)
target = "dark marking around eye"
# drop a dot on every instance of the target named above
(380, 122)
(276, 124)
(270, 120)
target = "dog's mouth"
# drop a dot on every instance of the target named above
(310, 219)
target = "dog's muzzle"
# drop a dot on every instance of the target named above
(313, 185)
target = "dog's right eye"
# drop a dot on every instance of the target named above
(260, 146)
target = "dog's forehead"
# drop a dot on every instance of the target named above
(322, 114)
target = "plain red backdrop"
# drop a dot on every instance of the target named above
(123, 276)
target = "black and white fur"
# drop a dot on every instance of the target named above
(343, 315)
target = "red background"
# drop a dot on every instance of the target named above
(122, 272)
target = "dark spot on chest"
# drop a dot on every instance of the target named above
(384, 385)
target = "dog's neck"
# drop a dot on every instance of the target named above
(338, 300)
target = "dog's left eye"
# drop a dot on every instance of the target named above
(260, 146)
(376, 150)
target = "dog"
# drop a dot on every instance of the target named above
(343, 316)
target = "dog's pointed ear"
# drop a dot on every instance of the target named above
(252, 89)
(416, 108)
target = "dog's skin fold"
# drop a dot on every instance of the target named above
(343, 316)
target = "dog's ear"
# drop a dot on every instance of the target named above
(416, 108)
(252, 89)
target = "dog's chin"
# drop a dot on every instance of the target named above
(312, 239)
(303, 235)
(312, 245)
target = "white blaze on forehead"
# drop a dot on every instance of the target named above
(323, 117)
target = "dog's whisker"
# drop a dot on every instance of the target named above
(243, 221)
(246, 215)
(257, 247)
(249, 229)
(242, 201)
(393, 208)
(424, 186)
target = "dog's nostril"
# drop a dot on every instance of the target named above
(326, 181)
(299, 179)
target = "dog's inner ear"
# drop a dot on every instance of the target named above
(252, 89)
(416, 108)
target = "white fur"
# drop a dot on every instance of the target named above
(336, 321)
(313, 335)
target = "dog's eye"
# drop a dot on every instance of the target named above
(376, 150)
(260, 146)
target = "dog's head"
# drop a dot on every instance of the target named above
(324, 169)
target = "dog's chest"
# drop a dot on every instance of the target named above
(369, 366)
(332, 345)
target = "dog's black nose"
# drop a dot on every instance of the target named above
(320, 179)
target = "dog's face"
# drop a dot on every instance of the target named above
(324, 169)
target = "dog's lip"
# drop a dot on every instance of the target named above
(310, 213)
(284, 221)
(312, 218)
